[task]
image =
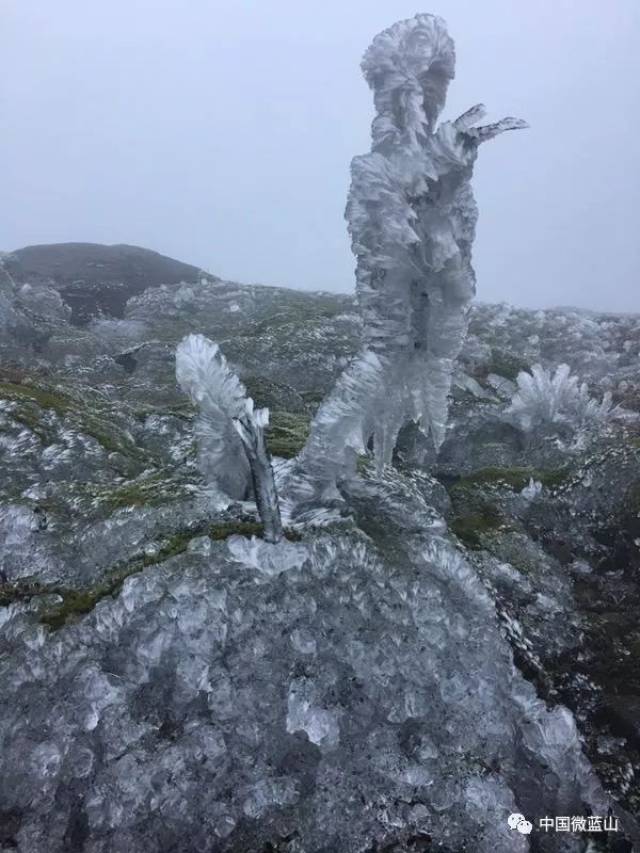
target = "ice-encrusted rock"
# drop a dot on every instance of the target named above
(360, 698)
(272, 558)
(412, 218)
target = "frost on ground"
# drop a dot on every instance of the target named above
(357, 697)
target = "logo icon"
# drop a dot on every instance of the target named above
(520, 823)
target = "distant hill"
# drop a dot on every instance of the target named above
(95, 279)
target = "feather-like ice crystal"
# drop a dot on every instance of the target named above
(230, 431)
(412, 218)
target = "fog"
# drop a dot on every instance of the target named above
(220, 132)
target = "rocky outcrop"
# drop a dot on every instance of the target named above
(93, 279)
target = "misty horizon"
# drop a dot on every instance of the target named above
(221, 135)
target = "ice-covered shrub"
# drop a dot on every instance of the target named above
(230, 430)
(545, 398)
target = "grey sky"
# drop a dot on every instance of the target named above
(220, 132)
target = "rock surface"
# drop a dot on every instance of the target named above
(94, 279)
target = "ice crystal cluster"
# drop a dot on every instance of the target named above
(543, 398)
(229, 428)
(412, 218)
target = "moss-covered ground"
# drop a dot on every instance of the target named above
(74, 603)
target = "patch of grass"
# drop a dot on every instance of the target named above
(313, 398)
(29, 415)
(221, 531)
(287, 434)
(506, 364)
(184, 412)
(514, 478)
(364, 463)
(152, 491)
(78, 602)
(298, 311)
(633, 498)
(46, 398)
(470, 528)
(133, 494)
(99, 425)
(86, 415)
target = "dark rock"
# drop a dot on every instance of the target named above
(94, 279)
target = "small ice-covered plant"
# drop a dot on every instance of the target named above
(544, 398)
(230, 430)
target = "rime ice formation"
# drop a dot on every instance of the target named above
(356, 699)
(230, 430)
(399, 682)
(412, 218)
(543, 398)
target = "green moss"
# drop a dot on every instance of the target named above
(298, 311)
(78, 602)
(287, 434)
(46, 398)
(30, 416)
(153, 491)
(75, 603)
(132, 494)
(89, 415)
(11, 592)
(514, 478)
(313, 398)
(184, 412)
(506, 364)
(99, 425)
(221, 531)
(364, 463)
(633, 498)
(225, 529)
(31, 402)
(471, 528)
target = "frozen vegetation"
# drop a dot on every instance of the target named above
(412, 218)
(230, 429)
(458, 643)
(546, 400)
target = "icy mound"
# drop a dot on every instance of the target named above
(362, 695)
